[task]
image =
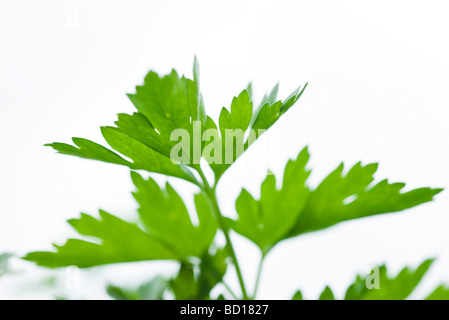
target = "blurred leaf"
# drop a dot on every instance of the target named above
(212, 269)
(440, 293)
(152, 290)
(184, 286)
(327, 294)
(119, 293)
(391, 288)
(188, 284)
(297, 296)
(4, 263)
(398, 287)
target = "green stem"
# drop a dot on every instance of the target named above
(229, 290)
(223, 226)
(259, 272)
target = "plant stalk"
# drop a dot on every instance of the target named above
(259, 273)
(222, 224)
(229, 290)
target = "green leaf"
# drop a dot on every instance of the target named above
(184, 286)
(390, 288)
(268, 220)
(271, 110)
(212, 270)
(267, 99)
(297, 295)
(249, 91)
(381, 286)
(138, 127)
(342, 197)
(169, 233)
(296, 208)
(165, 104)
(242, 118)
(192, 285)
(199, 113)
(240, 115)
(89, 150)
(165, 216)
(169, 102)
(327, 294)
(116, 241)
(270, 98)
(144, 158)
(152, 290)
(232, 125)
(440, 293)
(119, 293)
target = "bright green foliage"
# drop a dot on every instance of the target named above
(399, 287)
(342, 197)
(164, 104)
(237, 120)
(169, 102)
(242, 118)
(165, 216)
(167, 106)
(271, 109)
(120, 241)
(169, 232)
(296, 208)
(240, 115)
(89, 150)
(144, 158)
(391, 288)
(268, 220)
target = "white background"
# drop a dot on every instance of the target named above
(378, 77)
